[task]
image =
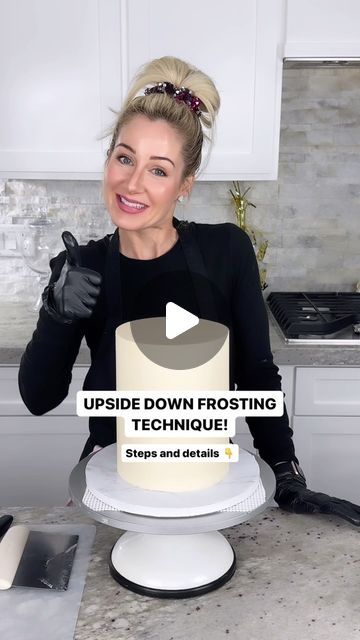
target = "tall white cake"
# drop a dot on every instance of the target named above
(136, 371)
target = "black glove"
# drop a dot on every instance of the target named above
(292, 495)
(74, 294)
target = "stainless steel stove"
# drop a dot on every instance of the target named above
(317, 318)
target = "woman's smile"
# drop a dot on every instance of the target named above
(130, 206)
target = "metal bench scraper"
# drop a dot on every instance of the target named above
(36, 559)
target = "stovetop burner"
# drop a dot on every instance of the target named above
(325, 315)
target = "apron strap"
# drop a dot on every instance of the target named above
(113, 290)
(193, 256)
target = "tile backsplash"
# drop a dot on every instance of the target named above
(310, 215)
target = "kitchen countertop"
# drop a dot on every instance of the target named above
(17, 323)
(297, 577)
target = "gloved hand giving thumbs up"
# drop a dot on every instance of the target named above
(73, 296)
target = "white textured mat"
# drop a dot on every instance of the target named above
(241, 490)
(251, 503)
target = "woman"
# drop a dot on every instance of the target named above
(154, 156)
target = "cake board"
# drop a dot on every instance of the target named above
(170, 557)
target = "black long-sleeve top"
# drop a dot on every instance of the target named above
(227, 290)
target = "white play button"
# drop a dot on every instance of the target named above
(178, 320)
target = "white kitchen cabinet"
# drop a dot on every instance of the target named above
(328, 391)
(328, 449)
(63, 64)
(37, 453)
(239, 43)
(327, 429)
(322, 28)
(60, 67)
(37, 456)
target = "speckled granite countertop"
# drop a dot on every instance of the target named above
(17, 323)
(297, 578)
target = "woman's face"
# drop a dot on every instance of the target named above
(143, 176)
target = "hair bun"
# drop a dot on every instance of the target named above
(173, 90)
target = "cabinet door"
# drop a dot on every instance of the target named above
(239, 43)
(60, 68)
(327, 391)
(323, 28)
(328, 449)
(36, 458)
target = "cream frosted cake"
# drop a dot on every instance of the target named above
(138, 370)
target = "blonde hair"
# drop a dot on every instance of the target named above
(160, 106)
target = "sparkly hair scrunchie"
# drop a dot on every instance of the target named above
(180, 94)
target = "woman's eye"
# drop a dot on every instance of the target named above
(123, 159)
(162, 173)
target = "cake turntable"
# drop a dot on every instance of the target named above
(168, 556)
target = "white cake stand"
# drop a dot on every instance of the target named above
(177, 557)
